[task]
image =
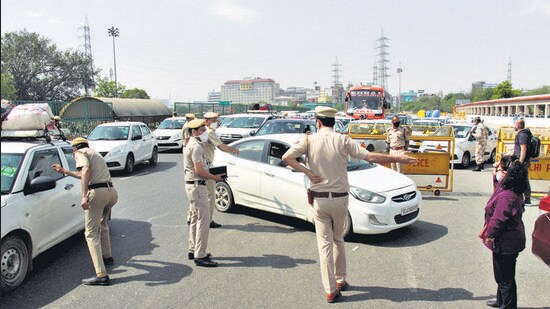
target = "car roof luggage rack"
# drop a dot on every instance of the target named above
(31, 135)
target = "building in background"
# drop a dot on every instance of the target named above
(214, 96)
(250, 91)
(482, 85)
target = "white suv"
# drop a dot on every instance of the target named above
(40, 207)
(242, 125)
(124, 144)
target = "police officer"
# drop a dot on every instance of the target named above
(479, 131)
(398, 140)
(196, 176)
(209, 148)
(188, 118)
(327, 153)
(98, 196)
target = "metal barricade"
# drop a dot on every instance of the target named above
(436, 162)
(539, 168)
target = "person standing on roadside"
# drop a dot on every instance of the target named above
(397, 138)
(209, 148)
(188, 118)
(504, 233)
(196, 176)
(98, 196)
(327, 155)
(479, 131)
(521, 141)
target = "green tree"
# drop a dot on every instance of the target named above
(42, 72)
(8, 87)
(135, 94)
(504, 90)
(107, 89)
(482, 94)
(537, 91)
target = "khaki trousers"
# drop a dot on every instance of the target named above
(97, 226)
(397, 166)
(329, 215)
(480, 151)
(199, 220)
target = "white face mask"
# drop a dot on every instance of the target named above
(213, 125)
(500, 175)
(204, 137)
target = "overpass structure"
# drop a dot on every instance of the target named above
(536, 106)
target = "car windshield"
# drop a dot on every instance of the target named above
(224, 120)
(461, 131)
(366, 99)
(357, 164)
(11, 163)
(246, 122)
(172, 124)
(109, 133)
(280, 127)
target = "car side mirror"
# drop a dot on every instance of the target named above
(137, 137)
(252, 133)
(39, 184)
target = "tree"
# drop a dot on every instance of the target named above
(504, 90)
(42, 72)
(107, 89)
(135, 94)
(541, 90)
(482, 94)
(8, 87)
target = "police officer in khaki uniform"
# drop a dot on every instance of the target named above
(398, 140)
(196, 177)
(188, 118)
(98, 196)
(479, 131)
(209, 148)
(327, 154)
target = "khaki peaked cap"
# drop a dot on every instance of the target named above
(190, 115)
(325, 111)
(211, 115)
(196, 123)
(78, 141)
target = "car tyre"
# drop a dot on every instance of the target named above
(492, 157)
(224, 197)
(15, 261)
(465, 162)
(348, 226)
(154, 156)
(129, 168)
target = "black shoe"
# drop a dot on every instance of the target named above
(477, 169)
(214, 224)
(97, 281)
(188, 222)
(527, 202)
(108, 260)
(191, 255)
(492, 303)
(205, 262)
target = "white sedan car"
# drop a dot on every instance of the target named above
(465, 144)
(381, 200)
(124, 144)
(169, 134)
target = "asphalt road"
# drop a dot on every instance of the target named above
(269, 261)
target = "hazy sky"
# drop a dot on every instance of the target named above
(180, 50)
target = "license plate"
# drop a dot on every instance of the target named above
(408, 210)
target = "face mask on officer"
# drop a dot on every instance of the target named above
(214, 125)
(204, 137)
(396, 124)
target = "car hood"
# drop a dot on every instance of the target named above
(379, 179)
(4, 203)
(242, 131)
(166, 132)
(105, 146)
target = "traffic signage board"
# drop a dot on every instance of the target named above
(225, 103)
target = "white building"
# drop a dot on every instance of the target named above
(214, 97)
(250, 91)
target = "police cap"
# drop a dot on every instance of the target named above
(211, 115)
(190, 115)
(78, 141)
(325, 112)
(196, 123)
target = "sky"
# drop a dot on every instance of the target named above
(181, 49)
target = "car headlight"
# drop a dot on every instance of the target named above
(367, 196)
(176, 137)
(117, 150)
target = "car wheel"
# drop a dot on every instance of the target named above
(129, 168)
(224, 197)
(15, 260)
(493, 155)
(154, 156)
(348, 226)
(465, 160)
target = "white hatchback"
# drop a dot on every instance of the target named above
(169, 134)
(40, 207)
(381, 199)
(124, 144)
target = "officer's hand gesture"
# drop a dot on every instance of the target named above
(406, 159)
(56, 167)
(219, 177)
(314, 178)
(85, 203)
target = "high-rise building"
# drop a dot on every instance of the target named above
(250, 91)
(214, 97)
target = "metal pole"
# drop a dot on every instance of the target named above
(399, 70)
(113, 32)
(114, 60)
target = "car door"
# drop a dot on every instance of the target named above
(50, 212)
(73, 187)
(245, 172)
(138, 145)
(284, 189)
(148, 141)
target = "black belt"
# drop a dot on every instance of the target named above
(397, 148)
(199, 182)
(100, 185)
(327, 194)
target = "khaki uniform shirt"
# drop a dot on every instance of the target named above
(99, 172)
(185, 132)
(210, 146)
(192, 154)
(397, 137)
(480, 132)
(328, 153)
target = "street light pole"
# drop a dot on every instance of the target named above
(113, 32)
(399, 70)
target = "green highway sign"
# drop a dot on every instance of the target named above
(225, 103)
